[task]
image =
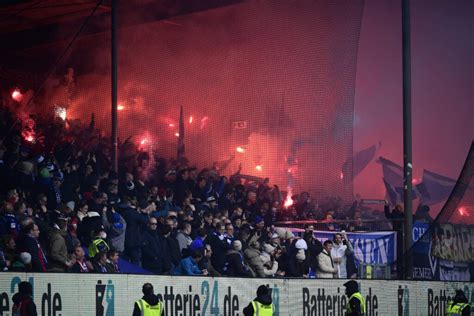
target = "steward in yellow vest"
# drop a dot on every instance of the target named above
(356, 303)
(459, 306)
(262, 304)
(148, 305)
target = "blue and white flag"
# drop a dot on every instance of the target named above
(360, 160)
(436, 188)
(393, 180)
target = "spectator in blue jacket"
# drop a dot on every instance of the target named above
(189, 265)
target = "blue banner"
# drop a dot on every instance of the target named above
(371, 248)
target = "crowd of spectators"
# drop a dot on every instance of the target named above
(63, 209)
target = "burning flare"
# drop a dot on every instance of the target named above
(17, 95)
(240, 149)
(288, 200)
(60, 112)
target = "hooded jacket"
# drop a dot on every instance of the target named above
(265, 299)
(151, 299)
(23, 300)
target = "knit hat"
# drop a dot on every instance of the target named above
(300, 255)
(237, 245)
(71, 205)
(258, 219)
(268, 248)
(25, 257)
(301, 244)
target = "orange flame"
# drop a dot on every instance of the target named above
(288, 200)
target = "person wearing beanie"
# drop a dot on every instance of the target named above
(149, 304)
(356, 303)
(459, 305)
(23, 300)
(234, 265)
(262, 305)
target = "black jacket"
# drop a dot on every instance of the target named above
(151, 299)
(136, 223)
(26, 304)
(264, 299)
(152, 252)
(235, 265)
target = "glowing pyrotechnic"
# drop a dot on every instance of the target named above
(463, 211)
(144, 141)
(190, 120)
(288, 200)
(415, 181)
(341, 176)
(171, 125)
(17, 95)
(240, 149)
(30, 138)
(204, 122)
(120, 107)
(176, 134)
(60, 112)
(258, 168)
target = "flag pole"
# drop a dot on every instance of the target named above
(114, 87)
(407, 139)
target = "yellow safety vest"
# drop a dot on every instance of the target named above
(95, 246)
(262, 310)
(150, 310)
(361, 299)
(456, 309)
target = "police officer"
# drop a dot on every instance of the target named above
(356, 304)
(262, 304)
(149, 304)
(459, 306)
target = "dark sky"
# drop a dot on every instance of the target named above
(442, 87)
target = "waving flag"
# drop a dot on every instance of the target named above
(393, 180)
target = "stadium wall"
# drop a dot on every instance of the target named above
(94, 294)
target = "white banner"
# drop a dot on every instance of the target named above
(108, 295)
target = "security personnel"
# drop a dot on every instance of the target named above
(149, 304)
(459, 306)
(98, 244)
(356, 304)
(262, 304)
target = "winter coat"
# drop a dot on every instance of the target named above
(136, 223)
(187, 266)
(219, 248)
(152, 252)
(184, 240)
(270, 267)
(57, 250)
(326, 268)
(115, 233)
(28, 243)
(151, 299)
(25, 303)
(265, 299)
(252, 257)
(235, 266)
